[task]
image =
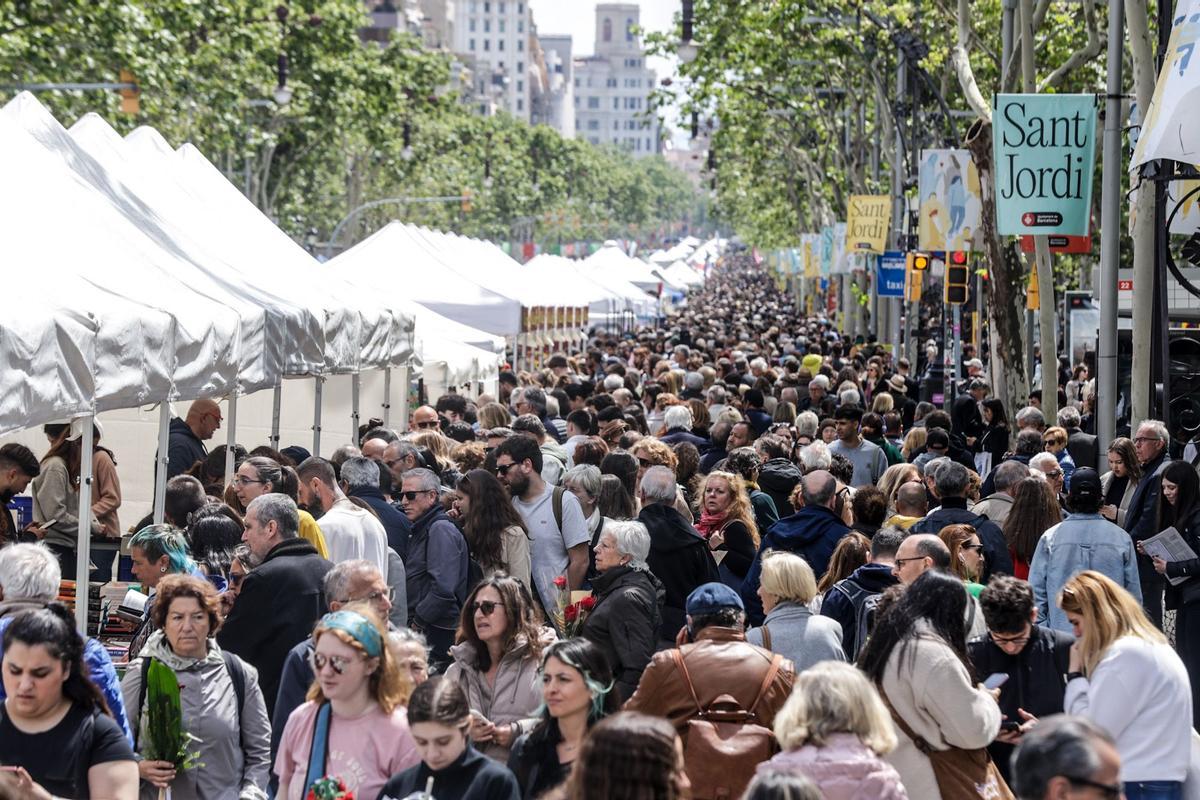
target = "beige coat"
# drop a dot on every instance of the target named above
(106, 494)
(932, 692)
(515, 554)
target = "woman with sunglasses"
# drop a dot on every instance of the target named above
(258, 476)
(441, 722)
(966, 555)
(1124, 676)
(355, 711)
(495, 532)
(222, 704)
(500, 641)
(577, 692)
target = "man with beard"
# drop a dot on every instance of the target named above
(552, 516)
(437, 564)
(18, 466)
(350, 532)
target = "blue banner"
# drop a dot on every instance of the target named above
(889, 274)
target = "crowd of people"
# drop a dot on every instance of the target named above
(733, 555)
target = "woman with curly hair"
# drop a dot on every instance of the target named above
(495, 533)
(727, 523)
(1035, 508)
(439, 446)
(632, 756)
(651, 452)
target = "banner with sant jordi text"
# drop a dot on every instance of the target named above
(1044, 148)
(867, 222)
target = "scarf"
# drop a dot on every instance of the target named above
(708, 524)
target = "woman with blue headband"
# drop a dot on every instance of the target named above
(354, 727)
(577, 692)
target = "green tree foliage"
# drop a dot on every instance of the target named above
(208, 70)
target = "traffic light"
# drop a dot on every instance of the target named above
(129, 96)
(466, 201)
(958, 277)
(918, 262)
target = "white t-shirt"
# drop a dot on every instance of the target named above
(549, 546)
(351, 532)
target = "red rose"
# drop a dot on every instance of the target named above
(588, 603)
(561, 581)
(571, 613)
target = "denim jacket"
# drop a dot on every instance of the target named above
(1081, 541)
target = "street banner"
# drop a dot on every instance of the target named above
(1183, 199)
(1044, 148)
(889, 274)
(951, 205)
(841, 265)
(810, 255)
(827, 250)
(1172, 124)
(867, 222)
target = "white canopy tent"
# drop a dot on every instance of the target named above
(613, 261)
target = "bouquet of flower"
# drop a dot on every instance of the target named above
(329, 788)
(569, 617)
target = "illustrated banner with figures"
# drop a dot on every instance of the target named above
(1044, 149)
(1172, 126)
(951, 206)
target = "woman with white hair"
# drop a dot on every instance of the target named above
(626, 617)
(583, 481)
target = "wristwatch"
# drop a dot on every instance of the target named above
(1073, 675)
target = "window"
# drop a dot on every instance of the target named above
(501, 24)
(501, 6)
(577, 101)
(520, 86)
(520, 26)
(648, 144)
(500, 44)
(593, 125)
(611, 83)
(520, 104)
(520, 66)
(471, 45)
(594, 103)
(520, 8)
(616, 125)
(487, 26)
(487, 7)
(471, 25)
(474, 6)
(629, 30)
(607, 30)
(616, 104)
(487, 44)
(520, 45)
(577, 83)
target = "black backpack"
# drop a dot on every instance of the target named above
(864, 602)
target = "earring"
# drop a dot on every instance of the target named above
(163, 570)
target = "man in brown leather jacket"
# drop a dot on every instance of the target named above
(719, 660)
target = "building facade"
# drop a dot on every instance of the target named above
(493, 38)
(612, 87)
(554, 104)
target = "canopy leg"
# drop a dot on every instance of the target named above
(230, 437)
(387, 397)
(318, 388)
(276, 410)
(84, 555)
(405, 380)
(355, 388)
(160, 473)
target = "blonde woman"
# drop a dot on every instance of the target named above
(914, 442)
(439, 446)
(786, 587)
(1124, 676)
(727, 523)
(893, 478)
(966, 554)
(834, 730)
(356, 705)
(494, 415)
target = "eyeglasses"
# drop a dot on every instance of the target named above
(374, 597)
(429, 423)
(900, 561)
(502, 469)
(410, 496)
(486, 606)
(1107, 790)
(1021, 640)
(976, 546)
(338, 663)
(1058, 473)
(240, 481)
(1142, 439)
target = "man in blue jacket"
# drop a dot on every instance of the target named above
(811, 533)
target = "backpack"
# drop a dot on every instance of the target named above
(864, 602)
(237, 675)
(725, 743)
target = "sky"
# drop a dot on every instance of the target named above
(578, 18)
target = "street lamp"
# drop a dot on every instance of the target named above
(687, 50)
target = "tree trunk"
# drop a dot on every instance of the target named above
(1141, 388)
(1005, 298)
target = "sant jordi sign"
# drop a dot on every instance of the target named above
(1044, 148)
(867, 223)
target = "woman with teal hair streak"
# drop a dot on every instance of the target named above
(577, 692)
(156, 551)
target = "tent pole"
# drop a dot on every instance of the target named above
(318, 387)
(230, 437)
(405, 381)
(276, 409)
(387, 397)
(355, 388)
(160, 474)
(84, 551)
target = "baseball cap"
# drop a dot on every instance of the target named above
(710, 598)
(1085, 484)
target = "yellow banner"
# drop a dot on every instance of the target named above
(867, 223)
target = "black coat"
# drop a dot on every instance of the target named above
(954, 512)
(184, 449)
(472, 776)
(680, 558)
(778, 478)
(534, 761)
(965, 417)
(280, 603)
(1082, 447)
(1141, 518)
(1037, 678)
(395, 523)
(625, 622)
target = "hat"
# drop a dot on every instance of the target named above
(1085, 484)
(896, 383)
(710, 598)
(296, 453)
(975, 362)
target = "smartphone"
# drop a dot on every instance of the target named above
(995, 680)
(1010, 725)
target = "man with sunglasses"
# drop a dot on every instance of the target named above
(1034, 657)
(1067, 758)
(425, 418)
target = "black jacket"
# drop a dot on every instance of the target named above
(995, 441)
(965, 417)
(875, 578)
(954, 512)
(680, 558)
(989, 483)
(472, 776)
(280, 602)
(534, 761)
(395, 524)
(677, 435)
(184, 449)
(625, 622)
(1037, 678)
(778, 477)
(710, 459)
(1141, 518)
(1082, 447)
